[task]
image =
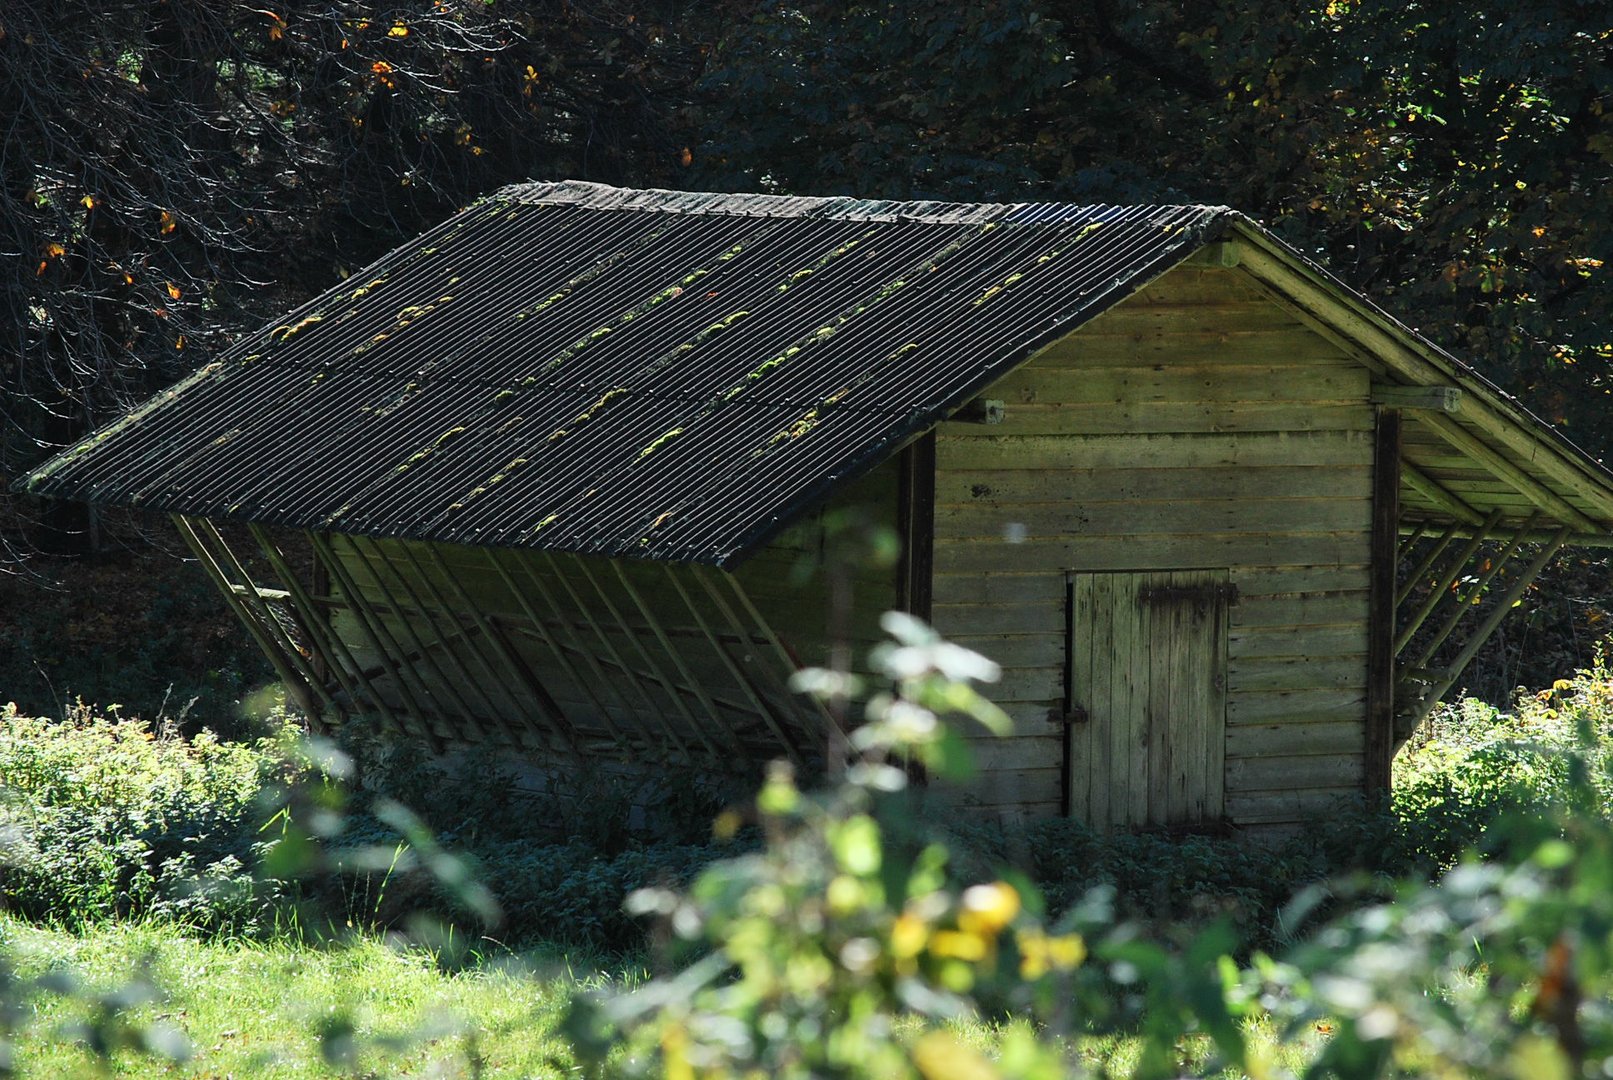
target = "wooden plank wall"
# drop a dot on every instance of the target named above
(1196, 425)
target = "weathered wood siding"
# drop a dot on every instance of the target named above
(1197, 425)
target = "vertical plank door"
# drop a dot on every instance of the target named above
(1147, 657)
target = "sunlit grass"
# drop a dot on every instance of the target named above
(258, 1010)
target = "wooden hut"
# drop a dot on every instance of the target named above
(1230, 529)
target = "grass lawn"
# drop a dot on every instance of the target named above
(255, 1010)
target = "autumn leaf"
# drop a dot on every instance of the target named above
(174, 292)
(54, 250)
(398, 31)
(168, 223)
(686, 158)
(88, 202)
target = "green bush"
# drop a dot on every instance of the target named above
(103, 817)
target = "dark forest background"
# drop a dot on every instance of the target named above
(174, 172)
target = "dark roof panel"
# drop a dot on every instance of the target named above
(653, 374)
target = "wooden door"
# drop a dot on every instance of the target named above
(1147, 677)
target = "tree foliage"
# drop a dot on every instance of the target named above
(175, 171)
(1450, 160)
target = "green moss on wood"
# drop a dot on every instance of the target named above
(286, 333)
(660, 441)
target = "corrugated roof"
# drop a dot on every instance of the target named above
(653, 374)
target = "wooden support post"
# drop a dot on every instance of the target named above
(1464, 603)
(497, 714)
(326, 640)
(341, 656)
(668, 649)
(373, 627)
(1403, 593)
(657, 672)
(585, 685)
(255, 599)
(1437, 593)
(585, 610)
(915, 523)
(576, 644)
(831, 730)
(1448, 678)
(272, 651)
(1381, 650)
(778, 686)
(740, 678)
(445, 689)
(555, 717)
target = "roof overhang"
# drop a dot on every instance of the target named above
(1471, 456)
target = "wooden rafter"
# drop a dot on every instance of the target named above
(1467, 598)
(1435, 550)
(1376, 341)
(1527, 486)
(1435, 492)
(1440, 682)
(261, 626)
(374, 630)
(361, 694)
(1437, 593)
(1408, 543)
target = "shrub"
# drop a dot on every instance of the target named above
(103, 817)
(841, 950)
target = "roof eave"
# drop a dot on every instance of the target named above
(1416, 361)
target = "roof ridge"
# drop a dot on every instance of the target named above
(592, 195)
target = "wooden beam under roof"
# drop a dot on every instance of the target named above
(1434, 492)
(1378, 340)
(1526, 485)
(1447, 399)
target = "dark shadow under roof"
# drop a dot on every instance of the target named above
(652, 374)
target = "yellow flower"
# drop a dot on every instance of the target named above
(908, 935)
(1040, 954)
(988, 908)
(960, 945)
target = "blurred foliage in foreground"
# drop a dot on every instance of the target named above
(844, 948)
(848, 935)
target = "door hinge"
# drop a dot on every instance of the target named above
(1225, 593)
